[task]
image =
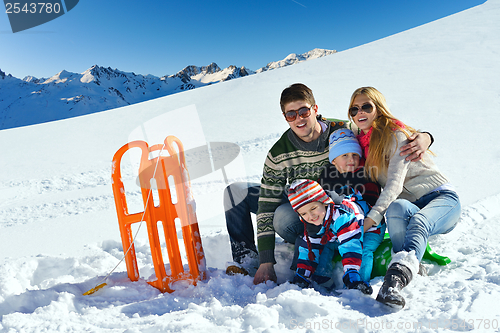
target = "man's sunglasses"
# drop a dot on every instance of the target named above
(368, 108)
(302, 113)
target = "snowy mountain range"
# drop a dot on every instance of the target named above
(67, 94)
(293, 58)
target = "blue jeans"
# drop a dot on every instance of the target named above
(240, 200)
(412, 223)
(371, 241)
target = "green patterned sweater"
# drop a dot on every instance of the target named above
(289, 159)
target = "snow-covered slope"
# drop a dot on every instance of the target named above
(65, 95)
(58, 227)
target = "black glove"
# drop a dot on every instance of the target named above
(301, 281)
(337, 198)
(324, 281)
(352, 280)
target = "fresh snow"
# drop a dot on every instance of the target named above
(59, 233)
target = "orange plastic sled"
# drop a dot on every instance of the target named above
(169, 172)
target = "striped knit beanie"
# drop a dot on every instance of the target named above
(304, 191)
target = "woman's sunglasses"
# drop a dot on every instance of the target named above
(368, 108)
(302, 113)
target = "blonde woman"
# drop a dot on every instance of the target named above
(417, 199)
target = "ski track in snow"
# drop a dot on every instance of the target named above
(32, 201)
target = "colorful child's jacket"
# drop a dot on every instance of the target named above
(348, 183)
(342, 224)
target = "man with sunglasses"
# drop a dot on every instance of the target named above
(300, 153)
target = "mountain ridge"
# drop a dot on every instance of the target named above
(67, 94)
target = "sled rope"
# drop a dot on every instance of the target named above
(101, 283)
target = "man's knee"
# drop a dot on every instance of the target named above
(286, 223)
(284, 216)
(235, 193)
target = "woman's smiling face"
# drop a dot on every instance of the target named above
(363, 119)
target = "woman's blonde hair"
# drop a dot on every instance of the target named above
(384, 127)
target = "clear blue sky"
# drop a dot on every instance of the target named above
(163, 37)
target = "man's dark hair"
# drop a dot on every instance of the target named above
(296, 92)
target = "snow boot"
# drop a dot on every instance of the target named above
(399, 274)
(397, 277)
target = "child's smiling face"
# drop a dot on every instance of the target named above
(347, 162)
(313, 212)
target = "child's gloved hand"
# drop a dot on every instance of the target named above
(301, 281)
(352, 280)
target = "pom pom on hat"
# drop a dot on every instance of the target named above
(304, 191)
(343, 141)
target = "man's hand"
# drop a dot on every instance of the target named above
(419, 143)
(367, 224)
(265, 273)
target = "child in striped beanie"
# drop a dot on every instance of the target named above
(327, 225)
